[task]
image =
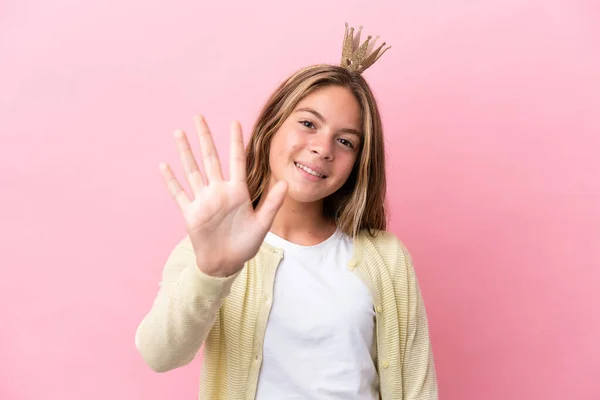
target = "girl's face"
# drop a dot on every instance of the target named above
(317, 145)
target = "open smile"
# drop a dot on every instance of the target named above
(309, 171)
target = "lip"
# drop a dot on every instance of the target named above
(313, 167)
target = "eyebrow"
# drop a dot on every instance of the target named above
(322, 119)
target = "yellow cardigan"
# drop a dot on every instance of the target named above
(229, 315)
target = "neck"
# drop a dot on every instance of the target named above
(301, 223)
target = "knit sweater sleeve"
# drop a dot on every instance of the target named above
(419, 375)
(183, 312)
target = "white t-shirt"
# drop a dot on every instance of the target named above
(320, 337)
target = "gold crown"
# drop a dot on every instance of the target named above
(357, 58)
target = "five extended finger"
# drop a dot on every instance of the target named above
(210, 157)
(173, 185)
(190, 166)
(268, 210)
(237, 164)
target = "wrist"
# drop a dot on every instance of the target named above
(216, 270)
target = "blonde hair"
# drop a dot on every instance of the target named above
(360, 203)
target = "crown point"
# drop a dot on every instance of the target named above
(358, 57)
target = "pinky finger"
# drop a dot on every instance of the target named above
(173, 185)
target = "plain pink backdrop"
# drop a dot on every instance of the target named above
(491, 113)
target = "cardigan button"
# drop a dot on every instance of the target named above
(352, 265)
(385, 364)
(379, 309)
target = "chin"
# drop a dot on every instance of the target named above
(303, 194)
(303, 197)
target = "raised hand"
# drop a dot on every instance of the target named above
(224, 229)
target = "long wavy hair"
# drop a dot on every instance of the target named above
(360, 203)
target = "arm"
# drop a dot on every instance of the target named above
(183, 311)
(419, 376)
(224, 232)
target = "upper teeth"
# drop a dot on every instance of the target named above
(310, 171)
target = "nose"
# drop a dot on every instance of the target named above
(322, 147)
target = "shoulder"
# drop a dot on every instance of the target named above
(389, 248)
(387, 244)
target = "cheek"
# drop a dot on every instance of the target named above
(347, 164)
(277, 145)
(282, 149)
(287, 143)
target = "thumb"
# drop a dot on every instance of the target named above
(268, 210)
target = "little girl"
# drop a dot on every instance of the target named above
(287, 275)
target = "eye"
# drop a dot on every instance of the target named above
(308, 124)
(346, 143)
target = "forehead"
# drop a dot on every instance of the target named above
(337, 104)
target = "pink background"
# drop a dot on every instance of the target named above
(491, 112)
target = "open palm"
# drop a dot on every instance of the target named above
(223, 227)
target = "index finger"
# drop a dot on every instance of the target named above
(237, 162)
